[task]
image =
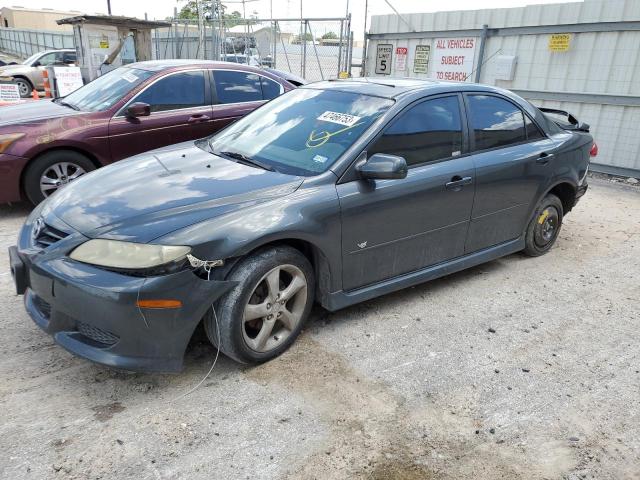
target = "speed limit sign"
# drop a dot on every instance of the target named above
(383, 59)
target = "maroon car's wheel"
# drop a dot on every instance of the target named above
(544, 227)
(52, 171)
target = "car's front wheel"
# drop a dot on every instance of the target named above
(262, 316)
(544, 228)
(24, 87)
(53, 171)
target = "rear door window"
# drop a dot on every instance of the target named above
(533, 132)
(495, 122)
(426, 132)
(175, 91)
(237, 87)
(270, 89)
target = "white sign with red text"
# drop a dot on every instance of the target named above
(9, 92)
(401, 58)
(453, 58)
(68, 79)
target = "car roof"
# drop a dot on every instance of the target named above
(158, 65)
(390, 87)
(58, 50)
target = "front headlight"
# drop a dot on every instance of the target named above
(8, 139)
(127, 255)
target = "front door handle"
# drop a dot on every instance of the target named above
(457, 182)
(197, 118)
(544, 158)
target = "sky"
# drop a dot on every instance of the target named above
(160, 9)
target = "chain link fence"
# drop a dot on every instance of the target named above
(315, 49)
(24, 43)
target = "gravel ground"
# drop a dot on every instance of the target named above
(519, 368)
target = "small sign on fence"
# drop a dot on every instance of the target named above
(559, 42)
(421, 58)
(453, 58)
(401, 58)
(383, 59)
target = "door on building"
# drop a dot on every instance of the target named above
(392, 227)
(512, 160)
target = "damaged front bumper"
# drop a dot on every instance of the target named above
(94, 314)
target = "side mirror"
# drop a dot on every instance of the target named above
(381, 166)
(36, 64)
(138, 109)
(583, 127)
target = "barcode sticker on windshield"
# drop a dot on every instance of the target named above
(339, 118)
(130, 77)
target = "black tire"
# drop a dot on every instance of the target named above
(230, 310)
(24, 86)
(36, 169)
(544, 227)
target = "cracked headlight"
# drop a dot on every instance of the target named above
(127, 255)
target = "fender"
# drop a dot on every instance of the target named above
(310, 215)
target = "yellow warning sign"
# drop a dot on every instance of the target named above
(559, 42)
(343, 75)
(104, 43)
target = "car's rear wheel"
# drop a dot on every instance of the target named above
(263, 315)
(53, 171)
(24, 87)
(544, 227)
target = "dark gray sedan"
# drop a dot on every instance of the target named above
(337, 192)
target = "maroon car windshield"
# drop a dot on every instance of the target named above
(106, 90)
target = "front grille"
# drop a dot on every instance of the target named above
(97, 335)
(48, 236)
(43, 307)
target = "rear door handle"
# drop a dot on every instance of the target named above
(457, 182)
(544, 158)
(197, 118)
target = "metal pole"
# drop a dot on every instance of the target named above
(175, 32)
(109, 7)
(340, 47)
(200, 53)
(304, 51)
(483, 41)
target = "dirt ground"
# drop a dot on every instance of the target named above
(517, 369)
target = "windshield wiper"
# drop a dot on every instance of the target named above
(240, 158)
(67, 104)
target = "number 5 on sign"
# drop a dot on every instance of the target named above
(383, 59)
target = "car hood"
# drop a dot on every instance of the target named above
(7, 70)
(150, 195)
(34, 111)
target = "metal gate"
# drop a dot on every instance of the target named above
(313, 48)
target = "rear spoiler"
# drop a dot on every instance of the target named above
(567, 120)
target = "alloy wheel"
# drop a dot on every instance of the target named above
(59, 175)
(23, 88)
(275, 308)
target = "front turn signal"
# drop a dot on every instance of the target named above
(159, 303)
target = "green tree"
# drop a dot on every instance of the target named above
(189, 11)
(329, 35)
(299, 38)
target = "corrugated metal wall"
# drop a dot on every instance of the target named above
(600, 74)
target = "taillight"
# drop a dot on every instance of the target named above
(594, 150)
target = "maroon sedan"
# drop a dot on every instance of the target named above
(46, 144)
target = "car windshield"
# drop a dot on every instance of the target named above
(302, 132)
(106, 90)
